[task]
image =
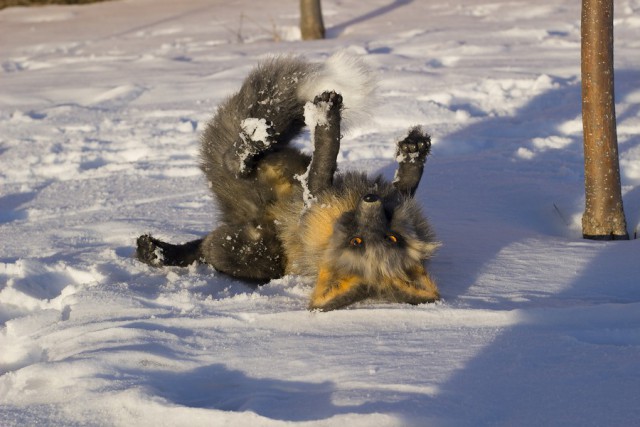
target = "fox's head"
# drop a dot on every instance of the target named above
(376, 249)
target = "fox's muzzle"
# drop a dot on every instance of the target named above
(370, 212)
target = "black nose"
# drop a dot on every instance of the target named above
(370, 198)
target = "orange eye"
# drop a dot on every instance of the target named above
(356, 241)
(392, 238)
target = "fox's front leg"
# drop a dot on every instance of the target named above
(412, 153)
(324, 116)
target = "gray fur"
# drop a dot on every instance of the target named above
(406, 219)
(266, 228)
(270, 93)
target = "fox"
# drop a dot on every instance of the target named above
(283, 212)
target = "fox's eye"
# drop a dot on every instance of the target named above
(356, 241)
(392, 238)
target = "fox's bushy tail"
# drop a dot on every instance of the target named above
(276, 91)
(347, 75)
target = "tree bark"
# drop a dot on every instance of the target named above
(603, 217)
(311, 24)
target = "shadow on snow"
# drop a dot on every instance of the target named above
(576, 363)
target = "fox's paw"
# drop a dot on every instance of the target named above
(415, 147)
(324, 112)
(256, 137)
(148, 250)
(332, 99)
(258, 133)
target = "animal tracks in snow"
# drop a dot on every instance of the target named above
(36, 295)
(33, 285)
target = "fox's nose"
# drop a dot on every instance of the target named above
(371, 198)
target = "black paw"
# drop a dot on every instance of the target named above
(416, 146)
(332, 98)
(148, 250)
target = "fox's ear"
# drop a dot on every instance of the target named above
(418, 290)
(333, 291)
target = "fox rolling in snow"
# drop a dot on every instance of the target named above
(283, 212)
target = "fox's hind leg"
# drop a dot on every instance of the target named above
(158, 253)
(256, 137)
(250, 252)
(412, 153)
(247, 252)
(325, 112)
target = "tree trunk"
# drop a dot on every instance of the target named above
(311, 24)
(603, 217)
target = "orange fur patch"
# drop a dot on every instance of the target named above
(273, 175)
(328, 287)
(419, 290)
(322, 215)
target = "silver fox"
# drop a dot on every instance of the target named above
(283, 212)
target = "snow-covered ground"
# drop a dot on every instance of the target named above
(101, 107)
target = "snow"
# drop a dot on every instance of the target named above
(101, 108)
(256, 129)
(316, 115)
